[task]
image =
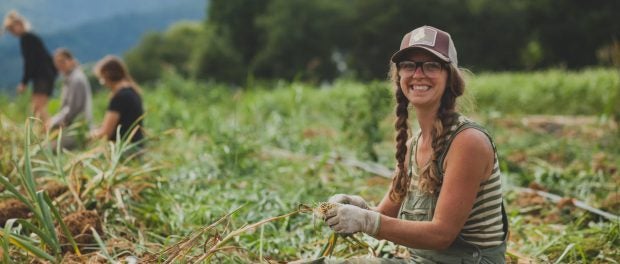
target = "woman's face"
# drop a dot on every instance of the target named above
(104, 82)
(423, 79)
(16, 29)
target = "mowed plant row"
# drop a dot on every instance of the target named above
(229, 171)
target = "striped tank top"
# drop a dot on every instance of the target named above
(484, 226)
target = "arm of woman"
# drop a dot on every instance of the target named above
(469, 162)
(27, 45)
(108, 127)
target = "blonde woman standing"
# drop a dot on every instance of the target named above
(38, 64)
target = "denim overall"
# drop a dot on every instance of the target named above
(420, 206)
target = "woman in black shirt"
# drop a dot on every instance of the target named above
(125, 107)
(38, 64)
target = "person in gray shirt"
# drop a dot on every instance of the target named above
(76, 96)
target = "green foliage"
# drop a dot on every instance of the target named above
(531, 55)
(554, 23)
(612, 107)
(322, 40)
(217, 59)
(363, 120)
(584, 92)
(300, 39)
(225, 162)
(164, 51)
(237, 18)
(41, 206)
(38, 236)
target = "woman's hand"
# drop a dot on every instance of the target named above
(349, 219)
(349, 199)
(94, 134)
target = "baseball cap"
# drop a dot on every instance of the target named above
(436, 41)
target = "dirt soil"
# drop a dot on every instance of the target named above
(612, 202)
(93, 258)
(569, 126)
(79, 224)
(529, 199)
(54, 189)
(12, 208)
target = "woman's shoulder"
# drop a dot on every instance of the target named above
(121, 93)
(463, 123)
(127, 93)
(472, 142)
(463, 119)
(471, 136)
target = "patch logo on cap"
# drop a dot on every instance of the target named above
(424, 36)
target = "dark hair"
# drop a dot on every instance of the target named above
(430, 180)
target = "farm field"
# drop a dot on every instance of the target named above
(231, 174)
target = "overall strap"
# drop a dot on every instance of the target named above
(462, 126)
(412, 150)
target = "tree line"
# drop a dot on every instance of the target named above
(243, 41)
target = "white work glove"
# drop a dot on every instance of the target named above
(349, 199)
(349, 219)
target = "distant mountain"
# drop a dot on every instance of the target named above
(49, 16)
(91, 39)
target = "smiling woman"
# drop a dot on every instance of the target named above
(445, 201)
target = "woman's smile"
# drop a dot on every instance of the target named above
(420, 88)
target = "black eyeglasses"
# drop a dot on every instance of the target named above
(429, 68)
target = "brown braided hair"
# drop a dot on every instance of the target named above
(430, 180)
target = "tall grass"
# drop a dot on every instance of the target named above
(587, 92)
(44, 211)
